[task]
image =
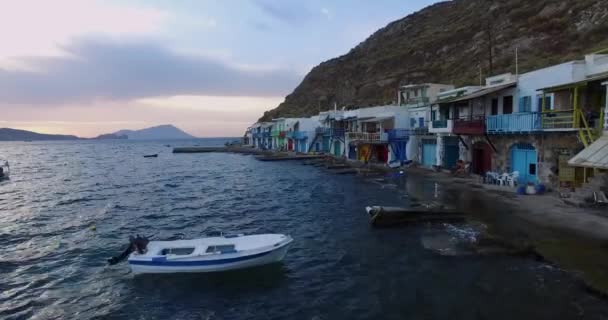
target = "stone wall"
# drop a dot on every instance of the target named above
(548, 145)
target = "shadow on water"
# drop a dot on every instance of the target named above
(250, 280)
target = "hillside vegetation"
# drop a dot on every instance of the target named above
(451, 42)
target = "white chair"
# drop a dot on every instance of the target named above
(512, 178)
(502, 179)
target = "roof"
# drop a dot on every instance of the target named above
(594, 156)
(482, 92)
(574, 84)
(378, 119)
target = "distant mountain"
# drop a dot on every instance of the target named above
(163, 132)
(8, 134)
(110, 136)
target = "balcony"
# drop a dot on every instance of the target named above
(513, 123)
(299, 135)
(474, 126)
(442, 126)
(337, 133)
(399, 134)
(367, 137)
(418, 101)
(558, 120)
(323, 131)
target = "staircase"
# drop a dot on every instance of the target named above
(586, 134)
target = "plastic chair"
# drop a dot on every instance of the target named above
(512, 178)
(502, 179)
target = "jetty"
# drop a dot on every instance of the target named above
(394, 216)
(231, 149)
(287, 157)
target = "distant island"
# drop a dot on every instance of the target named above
(162, 132)
(8, 134)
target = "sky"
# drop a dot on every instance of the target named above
(210, 67)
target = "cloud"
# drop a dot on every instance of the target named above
(286, 11)
(97, 69)
(326, 13)
(36, 27)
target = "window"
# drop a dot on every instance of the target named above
(507, 105)
(548, 103)
(525, 104)
(421, 122)
(412, 123)
(177, 251)
(494, 106)
(224, 248)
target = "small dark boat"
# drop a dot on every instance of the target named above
(394, 216)
(151, 156)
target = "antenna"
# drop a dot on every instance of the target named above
(480, 77)
(516, 62)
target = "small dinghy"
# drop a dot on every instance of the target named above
(151, 156)
(394, 216)
(205, 254)
(5, 170)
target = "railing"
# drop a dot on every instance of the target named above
(282, 134)
(265, 134)
(399, 134)
(365, 136)
(323, 131)
(337, 133)
(439, 124)
(299, 135)
(556, 120)
(513, 123)
(474, 126)
(418, 100)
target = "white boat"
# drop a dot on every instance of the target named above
(208, 254)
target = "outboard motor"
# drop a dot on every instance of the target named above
(138, 244)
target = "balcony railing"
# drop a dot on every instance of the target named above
(556, 120)
(442, 126)
(323, 131)
(337, 133)
(471, 126)
(416, 101)
(369, 137)
(399, 134)
(299, 135)
(513, 123)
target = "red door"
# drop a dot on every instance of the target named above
(382, 153)
(289, 144)
(482, 158)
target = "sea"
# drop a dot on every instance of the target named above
(71, 205)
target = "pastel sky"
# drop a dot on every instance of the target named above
(210, 67)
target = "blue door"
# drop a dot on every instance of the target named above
(317, 147)
(303, 145)
(429, 154)
(337, 152)
(352, 152)
(523, 160)
(325, 144)
(452, 152)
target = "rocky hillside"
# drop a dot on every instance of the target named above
(448, 43)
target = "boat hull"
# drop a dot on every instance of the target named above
(216, 265)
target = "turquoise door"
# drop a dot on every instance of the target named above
(325, 144)
(523, 160)
(303, 145)
(337, 152)
(429, 155)
(451, 155)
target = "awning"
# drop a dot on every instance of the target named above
(594, 156)
(574, 84)
(482, 92)
(378, 119)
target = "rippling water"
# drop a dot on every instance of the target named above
(71, 205)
